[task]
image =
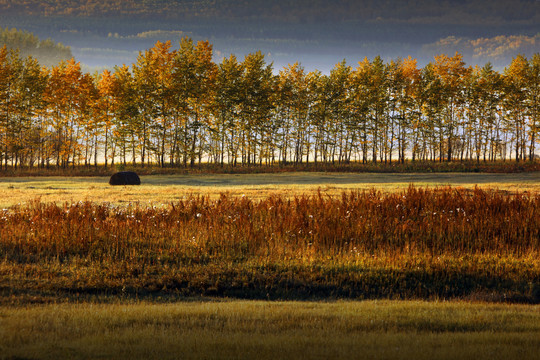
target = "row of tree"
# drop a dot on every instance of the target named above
(179, 108)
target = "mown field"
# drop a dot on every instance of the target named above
(90, 270)
(163, 189)
(272, 330)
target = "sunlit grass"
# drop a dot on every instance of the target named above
(270, 330)
(111, 267)
(417, 243)
(164, 189)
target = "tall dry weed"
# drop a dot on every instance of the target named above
(429, 221)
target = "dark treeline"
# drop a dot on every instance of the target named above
(180, 108)
(412, 11)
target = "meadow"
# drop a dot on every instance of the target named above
(405, 242)
(163, 189)
(232, 329)
(448, 267)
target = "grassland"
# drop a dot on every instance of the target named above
(157, 271)
(163, 189)
(413, 243)
(270, 330)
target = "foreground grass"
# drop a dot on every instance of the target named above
(270, 330)
(164, 189)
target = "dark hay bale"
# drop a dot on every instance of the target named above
(125, 178)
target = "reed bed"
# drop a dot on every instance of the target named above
(417, 243)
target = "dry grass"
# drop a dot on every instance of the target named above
(416, 243)
(272, 243)
(164, 189)
(270, 330)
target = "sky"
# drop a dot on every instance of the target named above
(316, 33)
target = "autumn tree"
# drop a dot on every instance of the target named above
(144, 71)
(451, 73)
(533, 103)
(410, 117)
(319, 85)
(256, 105)
(29, 105)
(226, 108)
(515, 83)
(293, 103)
(179, 107)
(126, 118)
(193, 78)
(10, 69)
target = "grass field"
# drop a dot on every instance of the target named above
(272, 330)
(156, 271)
(163, 189)
(413, 243)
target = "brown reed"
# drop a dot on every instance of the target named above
(367, 230)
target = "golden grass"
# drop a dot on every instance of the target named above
(416, 243)
(270, 330)
(255, 329)
(163, 189)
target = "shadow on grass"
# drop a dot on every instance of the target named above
(274, 283)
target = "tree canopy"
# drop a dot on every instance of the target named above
(179, 108)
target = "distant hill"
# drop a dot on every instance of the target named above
(412, 11)
(47, 52)
(317, 33)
